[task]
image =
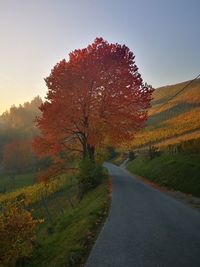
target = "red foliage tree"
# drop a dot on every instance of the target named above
(96, 95)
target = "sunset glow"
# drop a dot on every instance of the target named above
(35, 35)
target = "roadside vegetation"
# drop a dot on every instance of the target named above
(52, 224)
(68, 239)
(167, 150)
(175, 166)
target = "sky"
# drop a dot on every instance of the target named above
(164, 35)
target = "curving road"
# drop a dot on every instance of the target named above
(145, 227)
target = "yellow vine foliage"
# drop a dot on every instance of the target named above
(34, 193)
(181, 124)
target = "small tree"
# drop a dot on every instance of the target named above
(89, 176)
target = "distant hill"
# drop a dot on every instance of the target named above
(172, 120)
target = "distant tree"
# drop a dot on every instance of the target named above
(19, 122)
(96, 97)
(18, 157)
(23, 116)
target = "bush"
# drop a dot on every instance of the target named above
(17, 234)
(89, 176)
(153, 152)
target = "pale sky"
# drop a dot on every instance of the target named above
(36, 34)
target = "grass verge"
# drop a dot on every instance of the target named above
(180, 172)
(68, 238)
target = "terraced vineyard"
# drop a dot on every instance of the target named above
(172, 120)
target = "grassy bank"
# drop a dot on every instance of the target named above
(66, 239)
(179, 172)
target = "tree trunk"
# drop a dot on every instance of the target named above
(91, 149)
(84, 151)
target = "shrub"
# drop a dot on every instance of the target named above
(153, 152)
(17, 234)
(89, 176)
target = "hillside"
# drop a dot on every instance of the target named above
(172, 120)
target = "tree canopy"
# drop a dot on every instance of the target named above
(96, 96)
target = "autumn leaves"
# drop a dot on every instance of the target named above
(95, 98)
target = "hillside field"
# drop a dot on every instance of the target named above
(171, 121)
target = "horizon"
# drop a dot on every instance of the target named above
(162, 86)
(164, 40)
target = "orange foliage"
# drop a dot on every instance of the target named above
(97, 95)
(17, 234)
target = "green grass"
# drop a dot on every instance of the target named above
(179, 172)
(10, 183)
(67, 240)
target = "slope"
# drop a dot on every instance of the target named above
(172, 119)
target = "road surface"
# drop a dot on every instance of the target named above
(145, 227)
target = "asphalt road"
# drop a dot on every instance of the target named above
(145, 227)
